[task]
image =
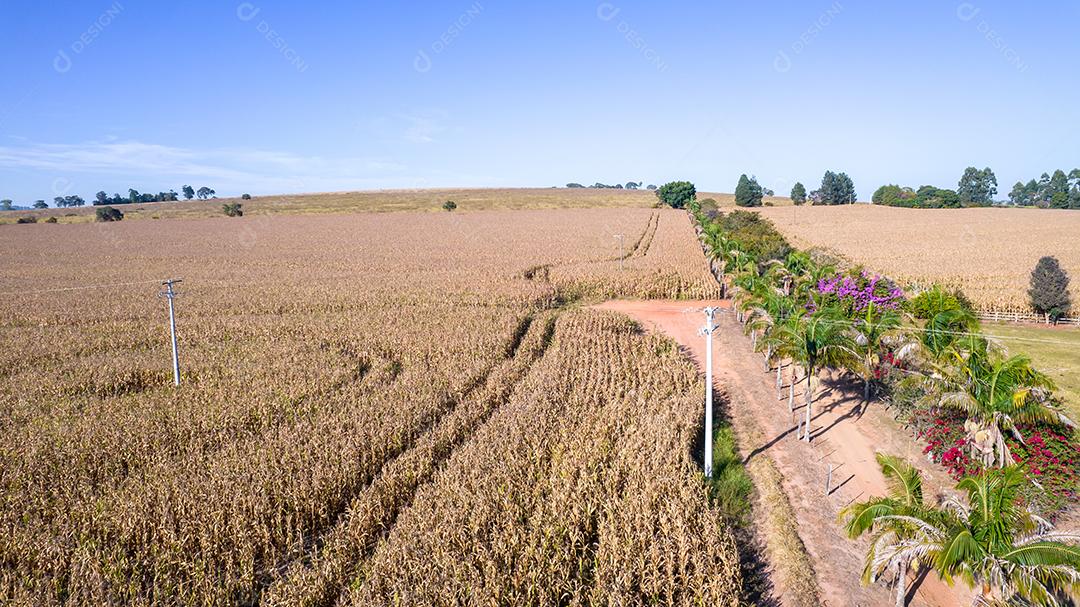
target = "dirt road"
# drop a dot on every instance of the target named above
(843, 435)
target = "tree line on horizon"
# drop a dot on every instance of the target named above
(1056, 191)
(976, 188)
(836, 188)
(629, 185)
(134, 196)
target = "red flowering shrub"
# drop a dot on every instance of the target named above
(1051, 455)
(1053, 458)
(946, 441)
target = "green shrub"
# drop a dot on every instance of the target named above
(449, 205)
(756, 235)
(233, 209)
(28, 219)
(676, 194)
(105, 214)
(936, 300)
(50, 220)
(245, 197)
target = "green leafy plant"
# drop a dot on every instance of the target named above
(676, 194)
(107, 214)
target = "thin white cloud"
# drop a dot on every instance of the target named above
(422, 127)
(229, 169)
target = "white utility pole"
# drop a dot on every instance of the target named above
(622, 251)
(708, 330)
(170, 295)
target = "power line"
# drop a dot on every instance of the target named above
(852, 323)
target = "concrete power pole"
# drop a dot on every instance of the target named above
(171, 295)
(708, 331)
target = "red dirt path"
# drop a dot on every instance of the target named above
(843, 435)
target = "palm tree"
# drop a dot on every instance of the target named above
(996, 392)
(815, 341)
(771, 308)
(872, 333)
(1002, 548)
(991, 543)
(880, 516)
(718, 246)
(949, 329)
(747, 287)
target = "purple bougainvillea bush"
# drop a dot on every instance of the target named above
(854, 291)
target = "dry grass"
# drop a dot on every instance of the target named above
(358, 390)
(786, 549)
(988, 253)
(483, 199)
(383, 201)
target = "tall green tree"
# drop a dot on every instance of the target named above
(836, 188)
(189, 192)
(1049, 290)
(977, 188)
(1018, 195)
(748, 192)
(1059, 190)
(798, 193)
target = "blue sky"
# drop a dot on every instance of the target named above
(268, 97)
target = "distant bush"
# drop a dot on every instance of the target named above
(708, 207)
(748, 192)
(449, 205)
(756, 234)
(30, 219)
(574, 185)
(233, 209)
(836, 188)
(107, 214)
(676, 194)
(798, 194)
(926, 197)
(50, 220)
(245, 197)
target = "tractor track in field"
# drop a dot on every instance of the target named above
(640, 248)
(336, 554)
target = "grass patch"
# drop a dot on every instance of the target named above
(1054, 352)
(730, 487)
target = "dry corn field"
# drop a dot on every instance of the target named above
(988, 253)
(380, 409)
